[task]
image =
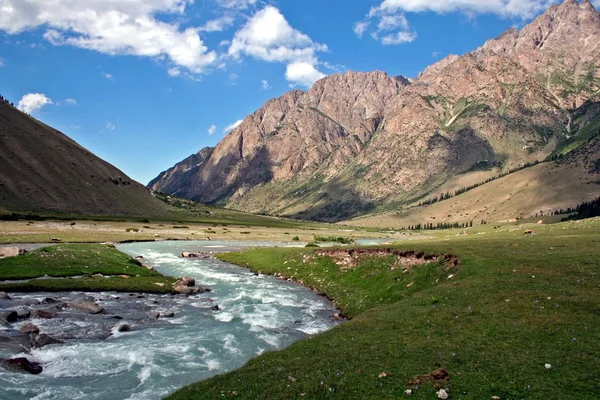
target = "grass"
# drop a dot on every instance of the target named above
(515, 303)
(79, 260)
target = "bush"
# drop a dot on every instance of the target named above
(312, 245)
(296, 238)
(333, 239)
(132, 230)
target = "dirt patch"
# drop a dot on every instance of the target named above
(437, 377)
(406, 260)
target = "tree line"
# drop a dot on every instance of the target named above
(4, 99)
(449, 195)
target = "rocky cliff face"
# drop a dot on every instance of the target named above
(359, 141)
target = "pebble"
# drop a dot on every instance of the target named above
(442, 394)
(548, 366)
(408, 392)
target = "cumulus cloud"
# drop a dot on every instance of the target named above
(113, 27)
(303, 73)
(33, 102)
(231, 127)
(268, 36)
(212, 129)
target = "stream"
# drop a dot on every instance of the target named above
(255, 314)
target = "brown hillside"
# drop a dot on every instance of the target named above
(43, 170)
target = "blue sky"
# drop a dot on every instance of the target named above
(145, 83)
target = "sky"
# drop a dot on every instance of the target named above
(145, 83)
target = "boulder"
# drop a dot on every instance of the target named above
(23, 313)
(124, 328)
(86, 306)
(181, 289)
(49, 300)
(22, 364)
(4, 296)
(167, 315)
(9, 252)
(42, 340)
(29, 328)
(187, 281)
(45, 314)
(9, 316)
(154, 314)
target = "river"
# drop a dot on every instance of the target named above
(256, 314)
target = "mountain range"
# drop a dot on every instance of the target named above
(364, 142)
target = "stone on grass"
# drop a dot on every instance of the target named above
(442, 394)
(548, 366)
(408, 392)
(495, 397)
(9, 252)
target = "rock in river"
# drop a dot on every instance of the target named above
(29, 328)
(9, 316)
(22, 364)
(42, 340)
(4, 296)
(45, 314)
(86, 306)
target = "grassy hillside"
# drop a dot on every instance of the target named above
(513, 304)
(535, 191)
(44, 171)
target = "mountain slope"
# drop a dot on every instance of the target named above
(45, 171)
(359, 142)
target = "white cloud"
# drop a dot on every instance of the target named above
(393, 28)
(33, 102)
(268, 36)
(113, 27)
(174, 71)
(1, 63)
(231, 127)
(217, 25)
(303, 73)
(503, 8)
(436, 54)
(398, 38)
(107, 76)
(360, 28)
(70, 102)
(236, 3)
(110, 126)
(212, 129)
(232, 78)
(265, 85)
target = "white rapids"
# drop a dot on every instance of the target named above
(256, 314)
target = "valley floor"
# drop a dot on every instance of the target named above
(516, 318)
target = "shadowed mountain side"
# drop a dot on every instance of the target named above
(169, 181)
(541, 189)
(43, 170)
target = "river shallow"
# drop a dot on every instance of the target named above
(256, 314)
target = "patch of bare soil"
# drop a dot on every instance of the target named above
(406, 260)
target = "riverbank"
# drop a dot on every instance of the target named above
(173, 340)
(516, 318)
(80, 267)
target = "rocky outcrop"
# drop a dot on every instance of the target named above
(356, 142)
(169, 181)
